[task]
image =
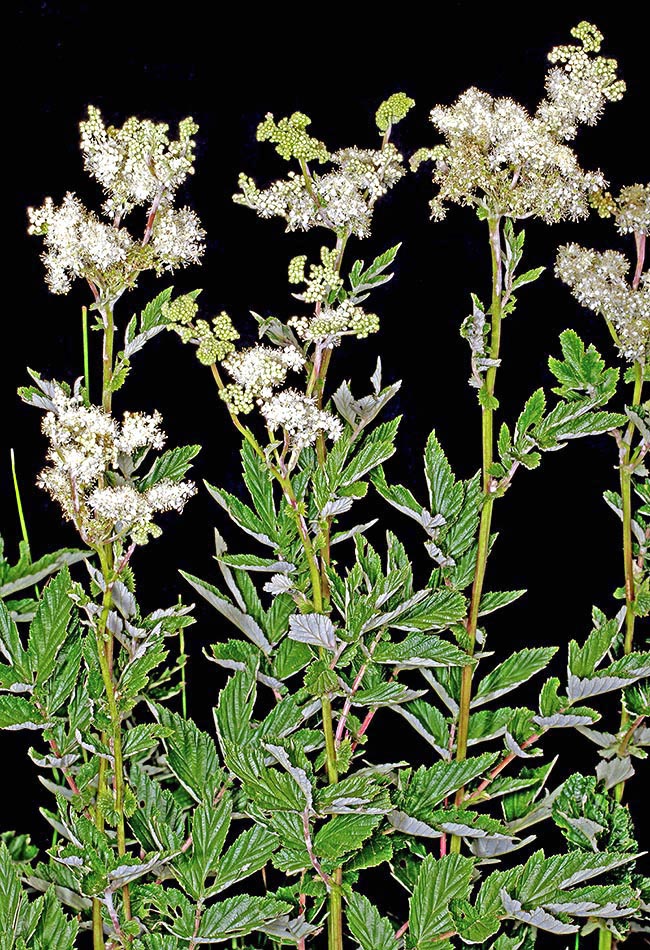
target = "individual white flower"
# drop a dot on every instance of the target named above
(300, 417)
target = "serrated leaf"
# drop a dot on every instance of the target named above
(621, 673)
(191, 755)
(423, 611)
(141, 738)
(584, 659)
(439, 881)
(420, 650)
(528, 277)
(377, 447)
(445, 493)
(431, 785)
(496, 599)
(370, 930)
(210, 825)
(173, 464)
(531, 414)
(515, 670)
(241, 514)
(18, 713)
(48, 629)
(233, 712)
(343, 833)
(385, 694)
(247, 624)
(258, 482)
(247, 854)
(233, 917)
(11, 646)
(159, 822)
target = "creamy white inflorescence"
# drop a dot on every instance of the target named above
(86, 451)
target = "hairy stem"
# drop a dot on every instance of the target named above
(487, 438)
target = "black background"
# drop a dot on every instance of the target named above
(227, 67)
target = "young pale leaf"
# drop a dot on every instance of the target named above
(27, 572)
(48, 629)
(420, 650)
(191, 755)
(247, 624)
(370, 930)
(242, 515)
(314, 629)
(445, 493)
(623, 672)
(439, 882)
(515, 670)
(173, 464)
(536, 918)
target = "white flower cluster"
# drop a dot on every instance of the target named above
(86, 446)
(632, 210)
(517, 165)
(300, 417)
(330, 324)
(78, 244)
(257, 371)
(137, 165)
(598, 281)
(341, 200)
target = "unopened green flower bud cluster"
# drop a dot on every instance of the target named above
(324, 281)
(214, 339)
(341, 199)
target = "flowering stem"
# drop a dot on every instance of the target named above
(84, 336)
(625, 474)
(116, 719)
(487, 435)
(107, 358)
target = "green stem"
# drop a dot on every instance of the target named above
(181, 645)
(107, 358)
(487, 439)
(604, 939)
(628, 554)
(84, 333)
(115, 717)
